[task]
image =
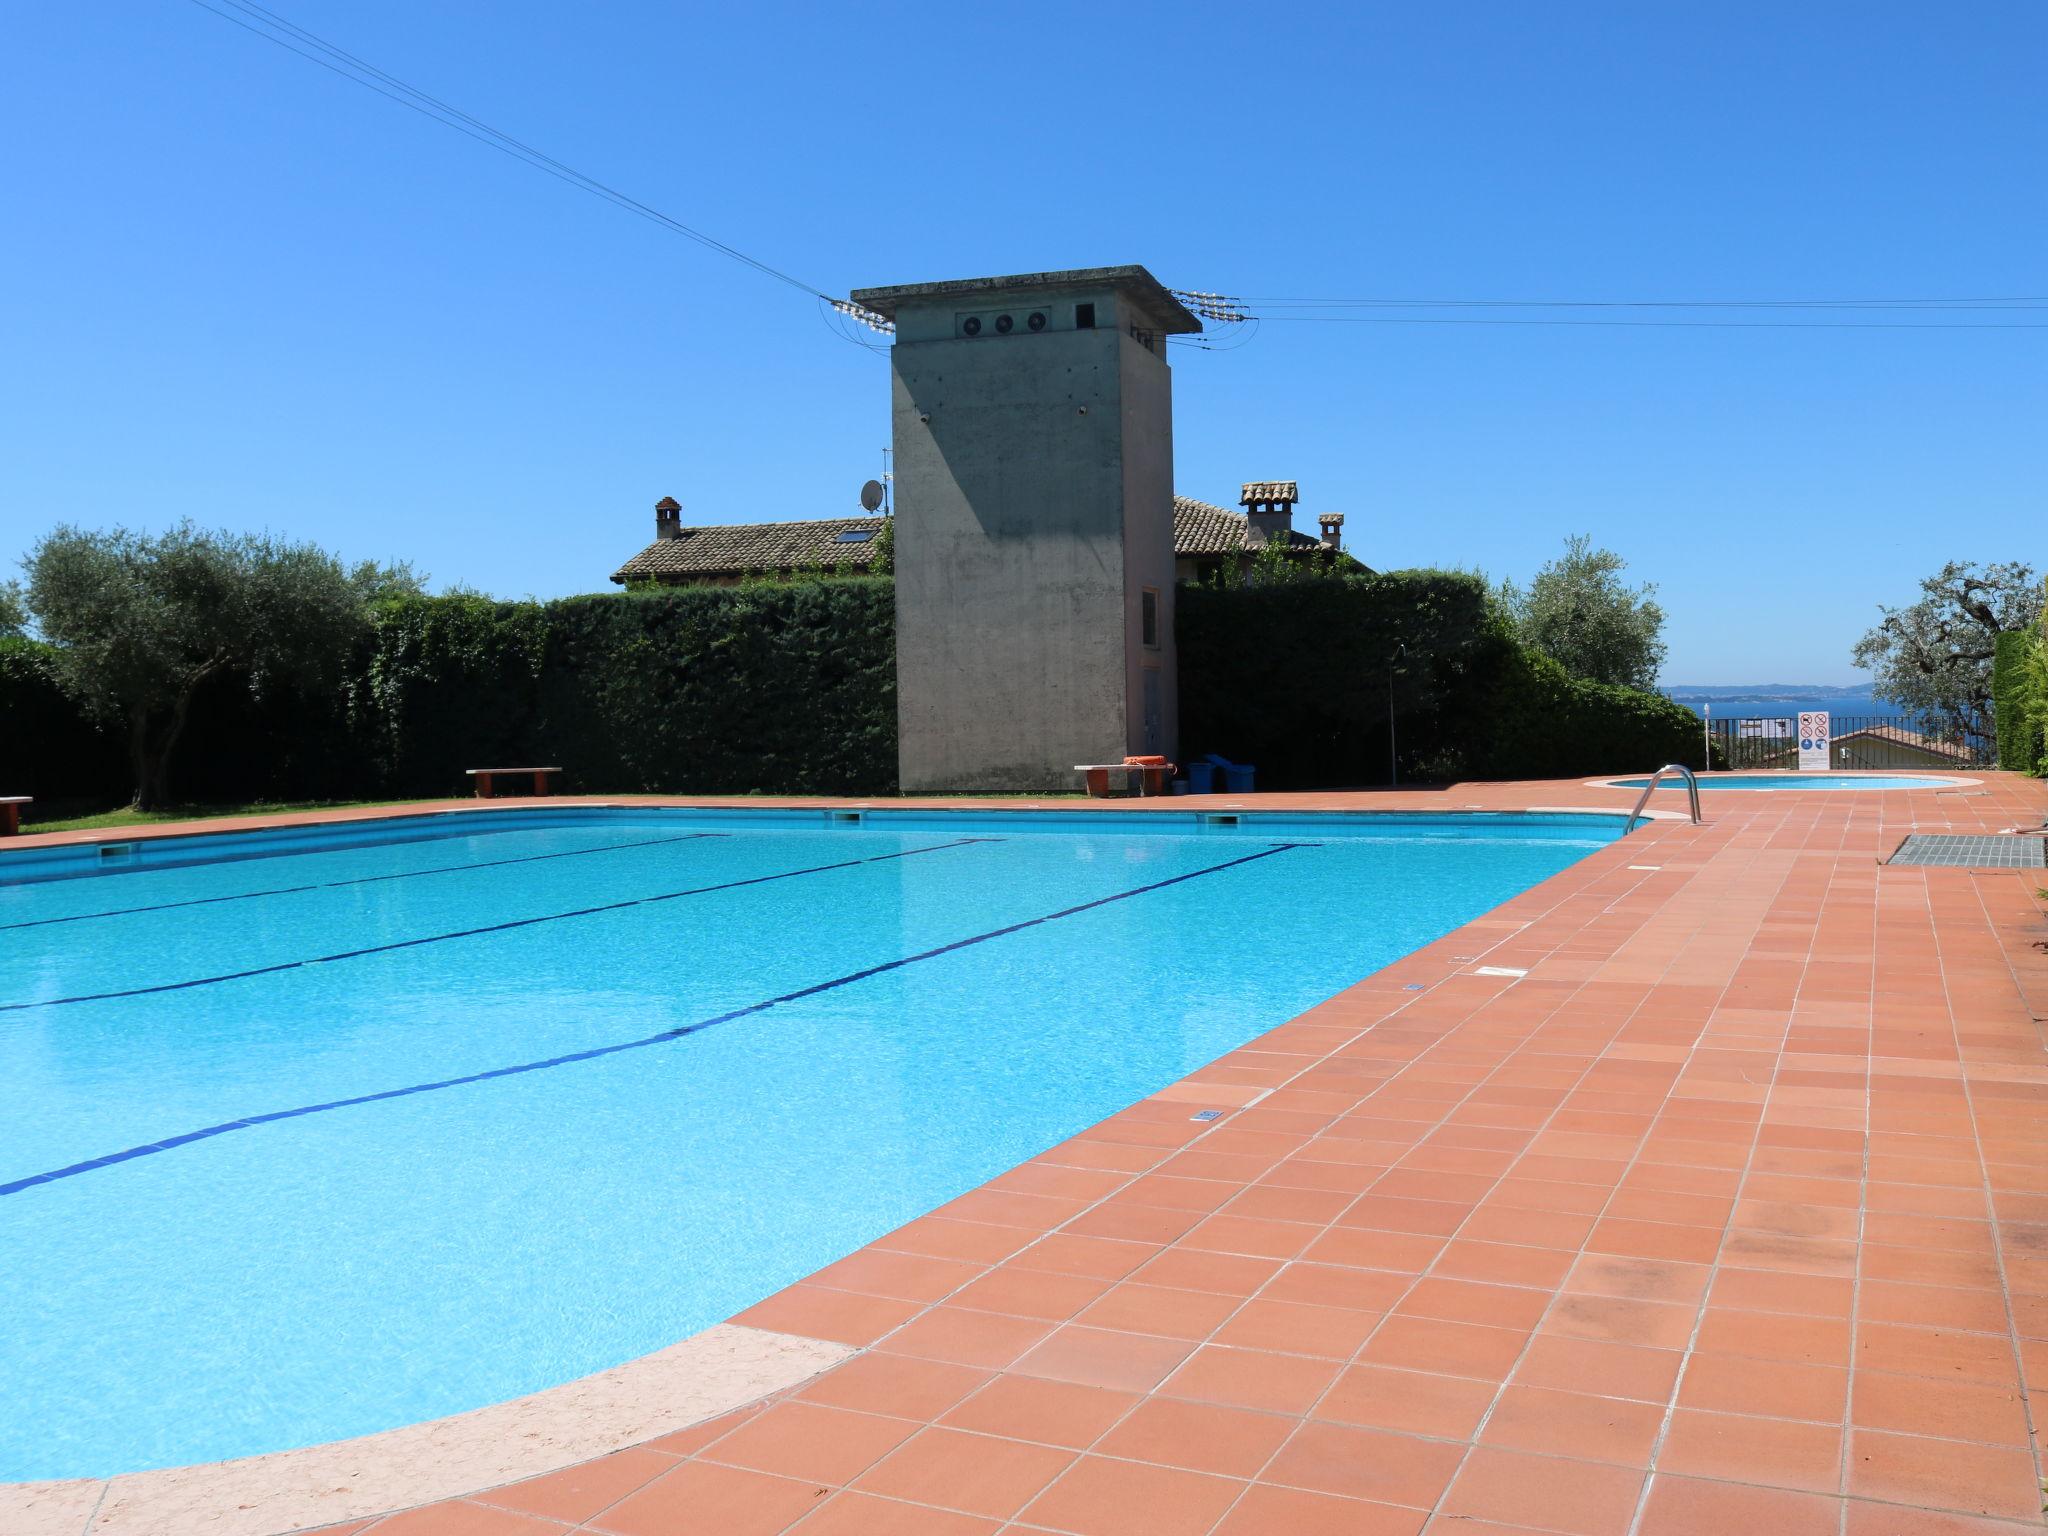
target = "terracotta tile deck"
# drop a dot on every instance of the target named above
(1730, 1216)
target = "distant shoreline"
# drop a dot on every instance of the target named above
(1859, 707)
(1687, 693)
(1781, 699)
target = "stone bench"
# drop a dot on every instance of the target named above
(10, 813)
(1105, 780)
(484, 776)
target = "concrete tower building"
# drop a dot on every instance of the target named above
(1033, 427)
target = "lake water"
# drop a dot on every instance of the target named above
(1862, 709)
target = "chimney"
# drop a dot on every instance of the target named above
(668, 518)
(1269, 509)
(1332, 524)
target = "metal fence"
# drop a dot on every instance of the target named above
(1856, 741)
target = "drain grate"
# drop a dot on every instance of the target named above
(1929, 849)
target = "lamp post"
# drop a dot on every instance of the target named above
(1393, 759)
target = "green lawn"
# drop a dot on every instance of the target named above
(128, 816)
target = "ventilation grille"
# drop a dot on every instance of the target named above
(1944, 851)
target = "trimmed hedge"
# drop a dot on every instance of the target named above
(2036, 686)
(1539, 722)
(790, 688)
(47, 749)
(1295, 679)
(451, 683)
(777, 688)
(781, 688)
(2019, 700)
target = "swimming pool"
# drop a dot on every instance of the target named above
(1799, 781)
(412, 1117)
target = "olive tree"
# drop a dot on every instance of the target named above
(142, 621)
(1934, 657)
(1580, 613)
(13, 610)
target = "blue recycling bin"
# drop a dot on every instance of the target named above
(1220, 773)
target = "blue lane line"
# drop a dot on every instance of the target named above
(664, 1038)
(335, 885)
(470, 933)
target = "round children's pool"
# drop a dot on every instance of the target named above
(1799, 781)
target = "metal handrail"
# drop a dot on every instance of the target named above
(1692, 790)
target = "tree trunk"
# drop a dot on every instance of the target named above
(150, 744)
(139, 760)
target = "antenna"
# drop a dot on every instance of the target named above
(1220, 307)
(864, 316)
(871, 496)
(888, 483)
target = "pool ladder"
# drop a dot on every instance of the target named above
(1692, 790)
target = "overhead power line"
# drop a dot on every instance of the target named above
(846, 318)
(2022, 302)
(1228, 309)
(262, 22)
(1682, 325)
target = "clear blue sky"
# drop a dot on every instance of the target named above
(244, 290)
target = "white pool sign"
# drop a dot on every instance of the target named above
(1813, 740)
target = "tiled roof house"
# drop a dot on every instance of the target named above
(1888, 745)
(1205, 539)
(730, 552)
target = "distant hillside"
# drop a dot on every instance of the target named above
(1687, 693)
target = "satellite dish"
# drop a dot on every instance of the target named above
(871, 496)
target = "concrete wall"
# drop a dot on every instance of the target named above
(1151, 676)
(1033, 500)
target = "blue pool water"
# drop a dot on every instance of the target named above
(1799, 781)
(315, 1144)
